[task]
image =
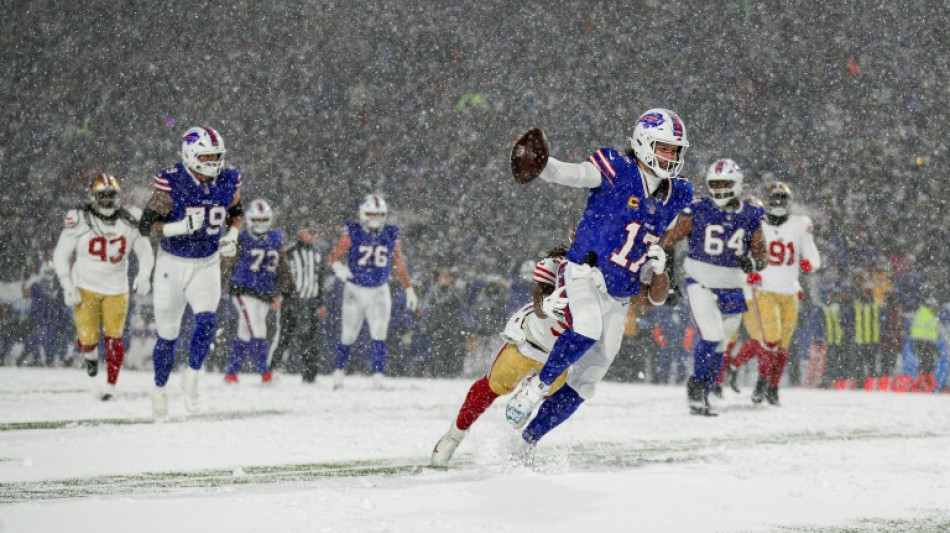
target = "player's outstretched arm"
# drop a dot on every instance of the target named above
(155, 213)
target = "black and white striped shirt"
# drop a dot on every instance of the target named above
(306, 266)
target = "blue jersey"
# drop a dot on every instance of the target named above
(720, 237)
(622, 220)
(189, 194)
(256, 268)
(371, 253)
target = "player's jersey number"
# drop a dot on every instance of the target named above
(715, 245)
(781, 253)
(214, 217)
(260, 254)
(375, 256)
(111, 250)
(621, 257)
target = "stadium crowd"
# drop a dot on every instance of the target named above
(323, 103)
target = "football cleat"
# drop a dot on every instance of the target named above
(528, 395)
(230, 379)
(445, 448)
(717, 390)
(771, 395)
(338, 379)
(159, 403)
(732, 377)
(108, 393)
(378, 381)
(189, 385)
(267, 378)
(759, 393)
(92, 367)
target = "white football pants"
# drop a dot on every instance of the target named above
(372, 304)
(252, 317)
(713, 325)
(181, 281)
(597, 315)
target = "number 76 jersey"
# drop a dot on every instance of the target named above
(188, 194)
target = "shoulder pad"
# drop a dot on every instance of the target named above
(608, 161)
(546, 270)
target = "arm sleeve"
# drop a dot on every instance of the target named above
(580, 175)
(809, 250)
(63, 253)
(143, 252)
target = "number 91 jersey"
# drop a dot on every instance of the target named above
(189, 194)
(256, 268)
(371, 253)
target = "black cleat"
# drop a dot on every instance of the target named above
(732, 375)
(717, 391)
(759, 393)
(92, 367)
(771, 395)
(696, 395)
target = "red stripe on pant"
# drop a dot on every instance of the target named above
(115, 354)
(479, 398)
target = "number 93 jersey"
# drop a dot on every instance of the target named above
(371, 253)
(102, 251)
(256, 268)
(189, 194)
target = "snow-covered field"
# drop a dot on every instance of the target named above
(304, 458)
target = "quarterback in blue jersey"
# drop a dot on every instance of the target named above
(726, 251)
(257, 279)
(196, 212)
(371, 250)
(634, 197)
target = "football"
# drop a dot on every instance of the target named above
(529, 155)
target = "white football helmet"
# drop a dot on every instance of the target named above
(200, 141)
(259, 217)
(373, 211)
(104, 194)
(663, 126)
(724, 170)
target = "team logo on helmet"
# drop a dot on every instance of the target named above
(191, 137)
(652, 120)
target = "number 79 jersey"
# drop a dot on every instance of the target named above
(188, 194)
(371, 253)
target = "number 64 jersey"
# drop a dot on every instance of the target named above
(102, 251)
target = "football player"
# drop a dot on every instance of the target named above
(726, 251)
(772, 318)
(528, 335)
(257, 280)
(196, 212)
(633, 198)
(371, 249)
(96, 285)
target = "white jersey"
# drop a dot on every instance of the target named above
(101, 251)
(535, 336)
(787, 245)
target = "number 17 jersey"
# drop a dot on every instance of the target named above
(189, 194)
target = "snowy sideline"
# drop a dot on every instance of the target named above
(304, 458)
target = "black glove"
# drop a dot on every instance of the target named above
(750, 265)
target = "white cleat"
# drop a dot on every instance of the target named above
(108, 393)
(378, 381)
(528, 395)
(189, 385)
(337, 379)
(159, 403)
(445, 448)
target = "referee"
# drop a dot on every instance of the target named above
(302, 309)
